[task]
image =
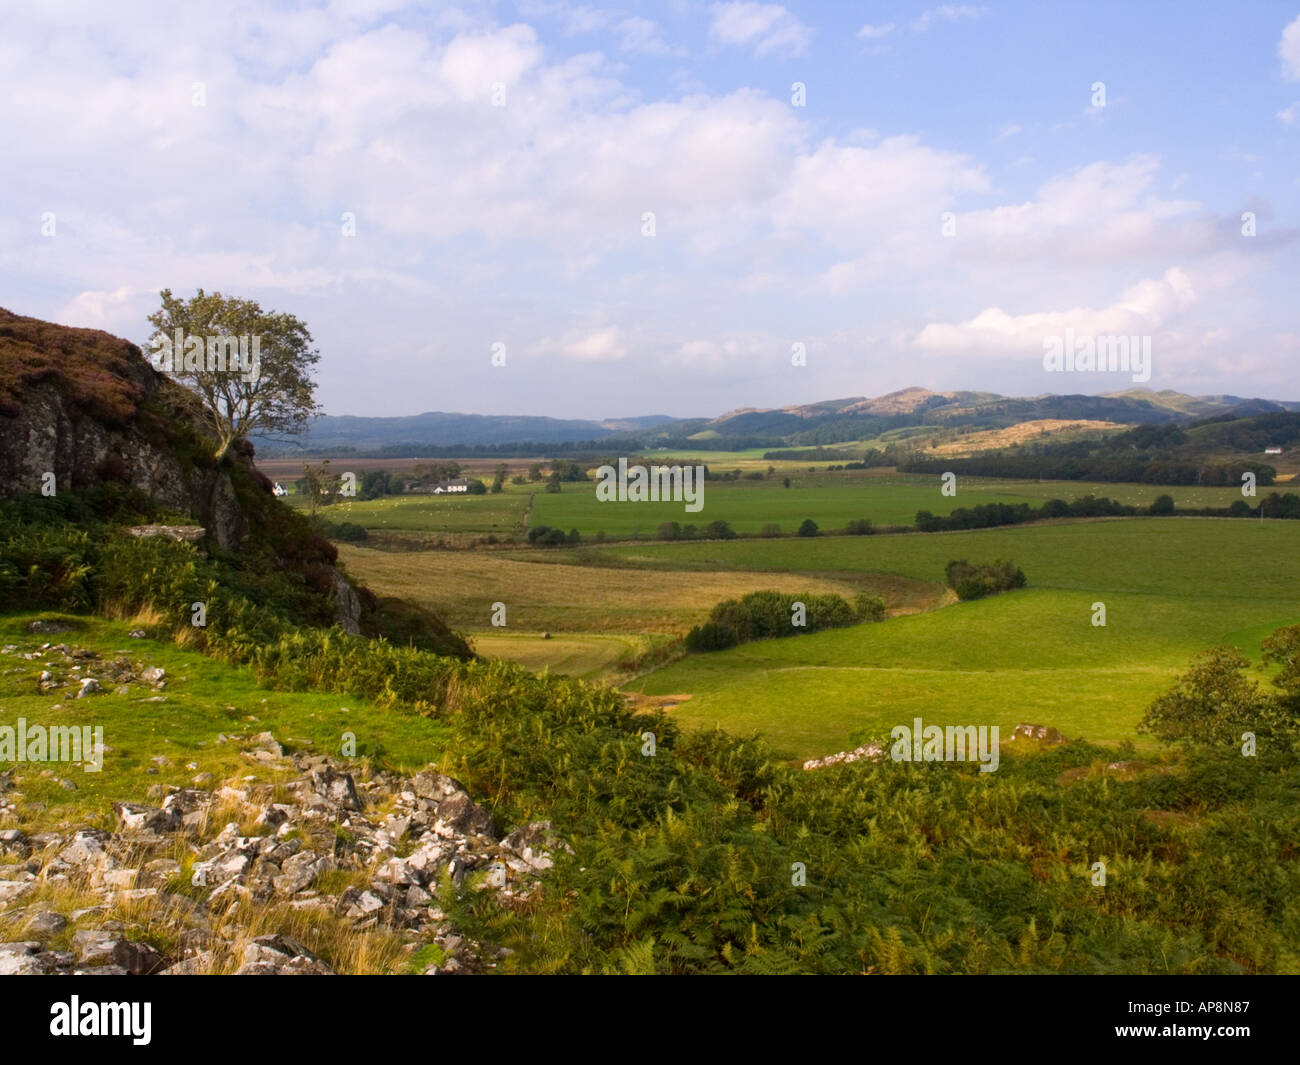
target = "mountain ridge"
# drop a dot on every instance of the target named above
(822, 422)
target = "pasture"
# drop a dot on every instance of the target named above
(832, 500)
(1171, 587)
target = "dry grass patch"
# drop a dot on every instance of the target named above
(461, 588)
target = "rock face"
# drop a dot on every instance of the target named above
(347, 605)
(326, 849)
(80, 412)
(84, 407)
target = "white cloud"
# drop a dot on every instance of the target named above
(1288, 49)
(947, 13)
(769, 28)
(1289, 116)
(871, 33)
(1141, 310)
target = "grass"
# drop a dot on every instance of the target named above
(832, 500)
(204, 698)
(501, 513)
(587, 655)
(553, 591)
(1171, 588)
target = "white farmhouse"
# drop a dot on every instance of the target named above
(451, 487)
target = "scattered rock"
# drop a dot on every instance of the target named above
(1041, 733)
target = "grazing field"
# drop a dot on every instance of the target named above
(832, 500)
(461, 586)
(1171, 587)
(501, 514)
(829, 499)
(587, 654)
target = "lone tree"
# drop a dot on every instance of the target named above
(269, 387)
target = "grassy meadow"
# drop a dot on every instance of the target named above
(829, 499)
(1171, 587)
(203, 699)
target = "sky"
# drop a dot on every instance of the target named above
(670, 208)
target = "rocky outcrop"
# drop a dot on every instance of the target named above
(869, 751)
(347, 605)
(79, 407)
(83, 407)
(369, 854)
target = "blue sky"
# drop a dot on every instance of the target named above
(774, 224)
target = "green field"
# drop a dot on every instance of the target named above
(203, 698)
(832, 500)
(502, 513)
(1171, 587)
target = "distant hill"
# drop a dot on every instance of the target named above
(826, 422)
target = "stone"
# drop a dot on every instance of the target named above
(1037, 732)
(46, 924)
(13, 890)
(461, 814)
(89, 686)
(197, 965)
(336, 787)
(186, 534)
(136, 818)
(279, 955)
(229, 865)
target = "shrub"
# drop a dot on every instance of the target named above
(976, 581)
(771, 529)
(710, 637)
(1213, 703)
(808, 528)
(1163, 505)
(769, 614)
(869, 607)
(859, 527)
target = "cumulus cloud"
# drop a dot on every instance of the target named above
(768, 28)
(1140, 310)
(1288, 49)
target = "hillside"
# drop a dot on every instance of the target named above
(826, 422)
(94, 443)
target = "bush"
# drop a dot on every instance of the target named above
(347, 530)
(1214, 702)
(767, 615)
(869, 607)
(1163, 505)
(719, 530)
(771, 529)
(976, 581)
(710, 637)
(808, 528)
(859, 527)
(545, 536)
